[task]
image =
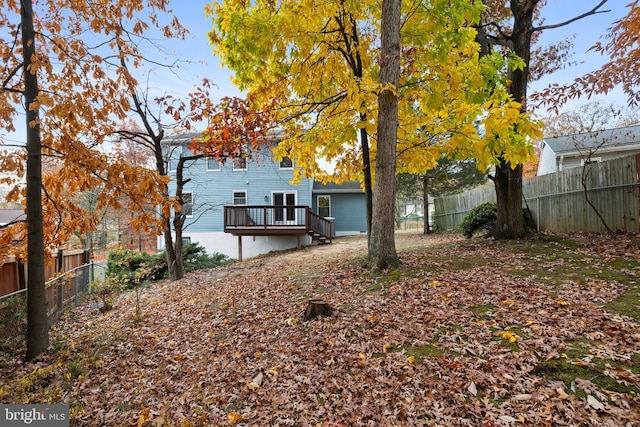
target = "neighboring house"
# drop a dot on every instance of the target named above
(8, 216)
(572, 151)
(253, 197)
(410, 209)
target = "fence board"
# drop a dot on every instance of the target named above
(557, 201)
(10, 273)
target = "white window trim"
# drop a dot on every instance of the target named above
(233, 163)
(285, 167)
(318, 203)
(189, 192)
(170, 164)
(233, 197)
(219, 168)
(284, 211)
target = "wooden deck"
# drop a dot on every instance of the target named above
(277, 221)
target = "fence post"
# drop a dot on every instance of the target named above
(60, 260)
(22, 278)
(60, 295)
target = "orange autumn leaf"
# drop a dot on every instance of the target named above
(233, 418)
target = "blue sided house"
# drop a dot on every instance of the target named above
(245, 207)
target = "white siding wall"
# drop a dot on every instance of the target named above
(227, 244)
(547, 162)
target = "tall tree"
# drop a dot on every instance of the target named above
(73, 97)
(315, 73)
(513, 31)
(38, 323)
(315, 66)
(382, 247)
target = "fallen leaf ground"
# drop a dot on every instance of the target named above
(539, 332)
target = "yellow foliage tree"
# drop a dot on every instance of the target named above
(315, 65)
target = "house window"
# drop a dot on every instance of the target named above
(324, 206)
(186, 240)
(213, 164)
(286, 163)
(240, 164)
(187, 203)
(239, 197)
(173, 165)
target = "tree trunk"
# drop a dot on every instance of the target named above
(170, 250)
(366, 171)
(316, 308)
(382, 247)
(178, 264)
(37, 322)
(510, 222)
(425, 203)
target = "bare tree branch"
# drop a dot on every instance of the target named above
(584, 15)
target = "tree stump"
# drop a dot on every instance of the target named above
(315, 308)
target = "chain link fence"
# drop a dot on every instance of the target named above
(63, 293)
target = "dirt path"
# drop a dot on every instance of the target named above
(309, 260)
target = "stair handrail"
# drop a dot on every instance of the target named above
(319, 224)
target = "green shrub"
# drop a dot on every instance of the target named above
(480, 218)
(131, 268)
(483, 218)
(13, 318)
(105, 289)
(195, 257)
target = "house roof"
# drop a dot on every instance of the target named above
(332, 187)
(180, 138)
(623, 138)
(10, 215)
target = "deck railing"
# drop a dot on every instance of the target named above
(274, 220)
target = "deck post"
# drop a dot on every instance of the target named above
(299, 244)
(239, 248)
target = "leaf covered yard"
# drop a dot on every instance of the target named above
(466, 332)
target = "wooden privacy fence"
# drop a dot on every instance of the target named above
(13, 272)
(557, 201)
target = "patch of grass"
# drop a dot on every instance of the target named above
(509, 337)
(418, 352)
(374, 286)
(559, 240)
(564, 370)
(482, 308)
(572, 366)
(421, 352)
(394, 275)
(483, 311)
(627, 303)
(458, 264)
(445, 330)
